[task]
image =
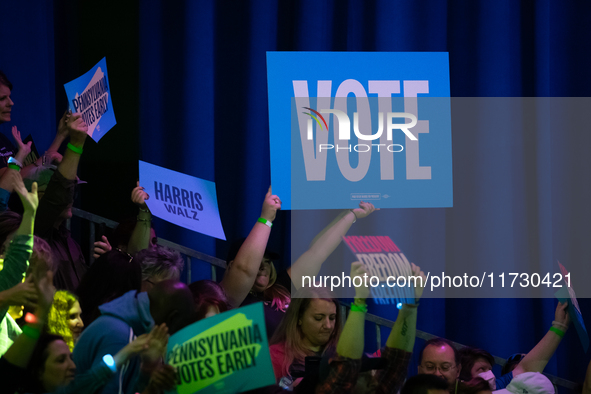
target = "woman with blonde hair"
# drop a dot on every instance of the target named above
(251, 275)
(310, 327)
(64, 317)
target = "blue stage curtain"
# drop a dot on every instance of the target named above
(193, 96)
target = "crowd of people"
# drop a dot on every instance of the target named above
(106, 327)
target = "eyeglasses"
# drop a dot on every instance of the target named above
(125, 253)
(430, 368)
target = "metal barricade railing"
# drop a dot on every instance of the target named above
(216, 262)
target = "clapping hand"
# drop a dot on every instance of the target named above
(23, 149)
(22, 294)
(156, 345)
(30, 199)
(151, 346)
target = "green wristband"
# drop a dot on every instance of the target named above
(14, 167)
(31, 332)
(265, 222)
(557, 331)
(75, 149)
(358, 308)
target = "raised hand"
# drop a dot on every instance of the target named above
(101, 247)
(77, 128)
(139, 196)
(365, 208)
(62, 127)
(416, 271)
(359, 270)
(23, 149)
(561, 314)
(30, 199)
(133, 348)
(271, 205)
(22, 294)
(157, 343)
(45, 293)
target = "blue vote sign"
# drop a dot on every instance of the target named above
(90, 95)
(182, 199)
(348, 127)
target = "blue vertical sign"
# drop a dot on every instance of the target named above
(348, 127)
(90, 95)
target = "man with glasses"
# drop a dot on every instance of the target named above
(440, 357)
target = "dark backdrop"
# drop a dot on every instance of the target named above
(179, 68)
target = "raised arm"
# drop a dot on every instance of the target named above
(350, 343)
(403, 332)
(140, 236)
(538, 357)
(51, 155)
(21, 350)
(325, 243)
(400, 343)
(77, 129)
(7, 179)
(241, 273)
(60, 190)
(344, 369)
(23, 149)
(60, 137)
(8, 175)
(19, 251)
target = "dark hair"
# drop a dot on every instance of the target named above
(110, 276)
(9, 223)
(4, 80)
(468, 357)
(473, 386)
(37, 364)
(421, 384)
(440, 342)
(207, 293)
